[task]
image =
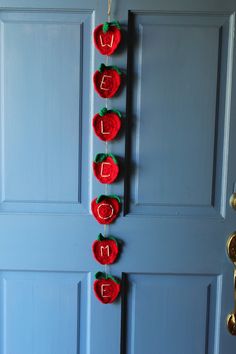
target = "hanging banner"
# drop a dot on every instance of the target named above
(106, 125)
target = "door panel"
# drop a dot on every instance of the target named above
(184, 306)
(44, 73)
(177, 154)
(44, 312)
(179, 102)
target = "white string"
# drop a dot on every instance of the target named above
(109, 10)
(107, 269)
(105, 230)
(106, 189)
(106, 59)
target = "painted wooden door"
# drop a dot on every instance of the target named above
(177, 149)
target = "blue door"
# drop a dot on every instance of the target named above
(177, 148)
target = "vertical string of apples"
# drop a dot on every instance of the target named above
(106, 125)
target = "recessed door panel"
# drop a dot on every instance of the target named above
(182, 307)
(44, 312)
(42, 95)
(179, 84)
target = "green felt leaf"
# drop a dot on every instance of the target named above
(100, 198)
(116, 111)
(100, 237)
(105, 27)
(115, 23)
(112, 238)
(103, 196)
(103, 111)
(115, 197)
(100, 157)
(114, 67)
(113, 158)
(114, 279)
(100, 275)
(103, 67)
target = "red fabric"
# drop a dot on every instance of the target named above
(105, 251)
(106, 127)
(106, 290)
(106, 211)
(107, 82)
(106, 171)
(106, 43)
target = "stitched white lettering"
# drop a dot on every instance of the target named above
(107, 248)
(103, 82)
(104, 290)
(102, 129)
(107, 217)
(107, 44)
(102, 169)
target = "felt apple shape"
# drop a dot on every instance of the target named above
(107, 37)
(106, 124)
(106, 208)
(106, 287)
(105, 168)
(107, 80)
(105, 249)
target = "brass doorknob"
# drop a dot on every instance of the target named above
(231, 250)
(231, 247)
(231, 324)
(231, 318)
(232, 201)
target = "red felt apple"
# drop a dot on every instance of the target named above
(106, 287)
(107, 37)
(107, 80)
(106, 124)
(106, 208)
(105, 249)
(105, 168)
